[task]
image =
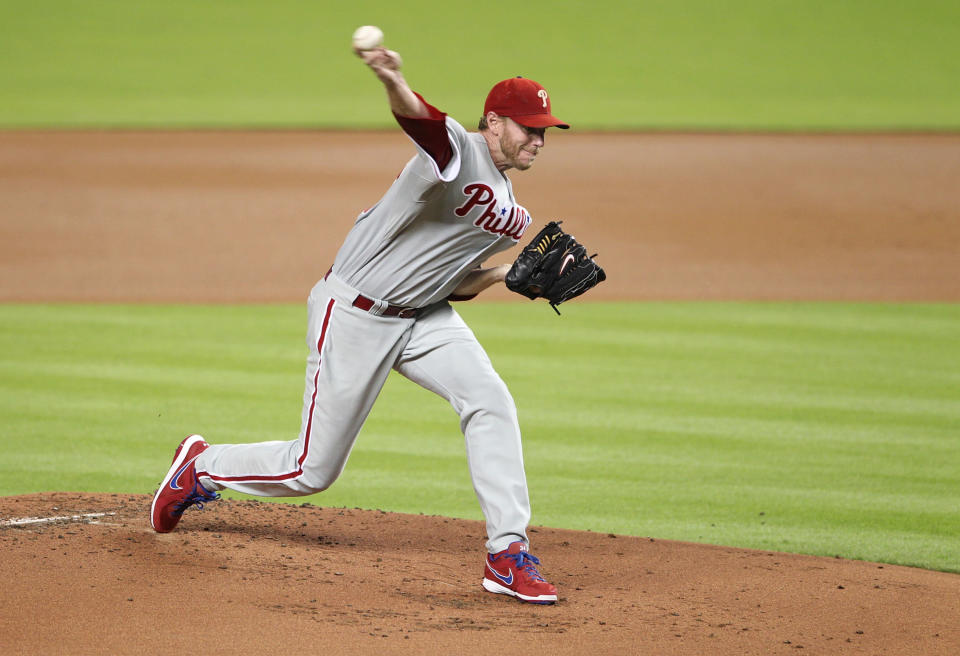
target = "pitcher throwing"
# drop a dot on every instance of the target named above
(384, 305)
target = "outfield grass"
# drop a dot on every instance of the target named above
(742, 65)
(816, 428)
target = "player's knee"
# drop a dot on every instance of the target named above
(314, 487)
(490, 392)
(496, 408)
(318, 479)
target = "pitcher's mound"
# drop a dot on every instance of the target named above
(84, 573)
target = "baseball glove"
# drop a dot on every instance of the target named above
(554, 266)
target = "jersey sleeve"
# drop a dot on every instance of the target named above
(461, 297)
(436, 137)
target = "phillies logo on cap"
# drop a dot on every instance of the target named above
(523, 100)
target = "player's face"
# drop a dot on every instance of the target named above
(520, 145)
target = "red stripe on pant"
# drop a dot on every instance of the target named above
(306, 436)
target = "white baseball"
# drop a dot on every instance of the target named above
(367, 37)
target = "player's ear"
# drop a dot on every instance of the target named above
(494, 123)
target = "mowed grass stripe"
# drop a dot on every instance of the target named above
(699, 64)
(817, 428)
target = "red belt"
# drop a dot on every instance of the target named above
(366, 304)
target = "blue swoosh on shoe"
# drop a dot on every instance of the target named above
(174, 481)
(507, 580)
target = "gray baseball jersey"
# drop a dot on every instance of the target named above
(432, 227)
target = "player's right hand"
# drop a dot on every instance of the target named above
(384, 63)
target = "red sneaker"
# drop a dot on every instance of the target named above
(513, 572)
(180, 488)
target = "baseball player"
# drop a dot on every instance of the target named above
(384, 305)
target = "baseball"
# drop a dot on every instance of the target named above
(367, 37)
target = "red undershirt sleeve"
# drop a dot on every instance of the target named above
(429, 133)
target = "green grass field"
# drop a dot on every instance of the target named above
(698, 64)
(817, 428)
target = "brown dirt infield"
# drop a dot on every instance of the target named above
(237, 217)
(234, 217)
(252, 578)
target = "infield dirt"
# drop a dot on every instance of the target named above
(235, 217)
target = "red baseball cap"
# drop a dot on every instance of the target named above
(523, 100)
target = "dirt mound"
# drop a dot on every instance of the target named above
(85, 574)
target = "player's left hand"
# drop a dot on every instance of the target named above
(555, 266)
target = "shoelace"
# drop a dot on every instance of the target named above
(196, 498)
(527, 563)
